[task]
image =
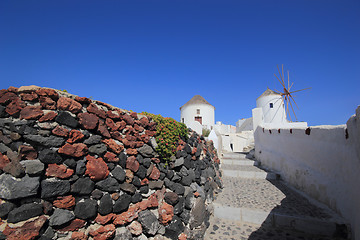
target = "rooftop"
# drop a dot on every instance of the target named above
(197, 99)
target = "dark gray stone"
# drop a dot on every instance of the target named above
(122, 203)
(80, 167)
(119, 174)
(170, 174)
(149, 222)
(98, 149)
(109, 184)
(144, 189)
(156, 184)
(110, 166)
(51, 141)
(179, 162)
(198, 152)
(5, 208)
(60, 217)
(53, 187)
(105, 205)
(86, 209)
(122, 233)
(71, 163)
(65, 118)
(33, 167)
(94, 139)
(168, 183)
(97, 194)
(83, 186)
(198, 213)
(171, 198)
(136, 197)
(127, 187)
(141, 173)
(147, 162)
(3, 148)
(122, 160)
(25, 212)
(187, 149)
(49, 234)
(180, 205)
(13, 188)
(175, 227)
(49, 156)
(178, 188)
(136, 181)
(146, 151)
(185, 216)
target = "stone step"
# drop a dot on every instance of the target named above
(234, 156)
(246, 171)
(243, 162)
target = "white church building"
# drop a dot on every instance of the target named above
(197, 114)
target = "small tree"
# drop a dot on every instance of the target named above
(205, 132)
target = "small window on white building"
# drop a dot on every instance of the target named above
(271, 105)
(197, 111)
(182, 120)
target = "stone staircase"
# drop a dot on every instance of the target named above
(255, 204)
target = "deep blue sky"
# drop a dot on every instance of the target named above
(155, 55)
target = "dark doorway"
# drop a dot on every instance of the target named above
(199, 119)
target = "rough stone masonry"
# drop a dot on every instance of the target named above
(74, 168)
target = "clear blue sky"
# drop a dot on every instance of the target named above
(155, 55)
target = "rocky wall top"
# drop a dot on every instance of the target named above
(74, 168)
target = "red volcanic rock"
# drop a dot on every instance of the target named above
(47, 103)
(92, 108)
(129, 130)
(121, 124)
(128, 216)
(113, 115)
(138, 128)
(131, 151)
(128, 119)
(102, 129)
(111, 124)
(132, 164)
(111, 157)
(103, 232)
(48, 93)
(135, 228)
(67, 202)
(29, 96)
(31, 112)
(74, 150)
(74, 225)
(193, 150)
(96, 168)
(113, 146)
(166, 213)
(13, 89)
(88, 120)
(115, 196)
(150, 133)
(105, 104)
(27, 152)
(182, 236)
(129, 144)
(75, 136)
(139, 144)
(30, 230)
(144, 122)
(4, 160)
(48, 116)
(116, 135)
(145, 181)
(15, 106)
(59, 171)
(145, 138)
(68, 104)
(104, 219)
(155, 173)
(152, 126)
(7, 97)
(60, 131)
(134, 115)
(130, 138)
(78, 236)
(83, 100)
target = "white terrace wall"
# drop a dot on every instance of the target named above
(323, 161)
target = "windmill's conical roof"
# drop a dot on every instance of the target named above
(268, 92)
(197, 99)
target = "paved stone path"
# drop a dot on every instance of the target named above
(255, 204)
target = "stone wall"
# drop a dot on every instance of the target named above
(74, 168)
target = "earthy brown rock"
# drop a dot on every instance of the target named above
(31, 112)
(15, 106)
(15, 136)
(103, 232)
(59, 171)
(144, 122)
(108, 106)
(113, 115)
(171, 198)
(13, 89)
(145, 138)
(96, 168)
(47, 103)
(78, 236)
(182, 236)
(121, 124)
(111, 124)
(74, 225)
(27, 152)
(4, 160)
(111, 157)
(113, 146)
(74, 150)
(30, 230)
(28, 89)
(138, 128)
(134, 115)
(88, 120)
(131, 151)
(67, 202)
(83, 100)
(7, 97)
(48, 116)
(135, 228)
(60, 131)
(129, 175)
(75, 136)
(92, 108)
(29, 96)
(102, 129)
(68, 104)
(132, 164)
(115, 196)
(155, 173)
(128, 119)
(166, 213)
(145, 181)
(48, 93)
(104, 219)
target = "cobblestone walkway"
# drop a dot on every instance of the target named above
(254, 209)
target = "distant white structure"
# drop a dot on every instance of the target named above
(197, 114)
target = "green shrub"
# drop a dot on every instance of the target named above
(205, 132)
(168, 134)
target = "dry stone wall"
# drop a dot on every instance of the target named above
(74, 168)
